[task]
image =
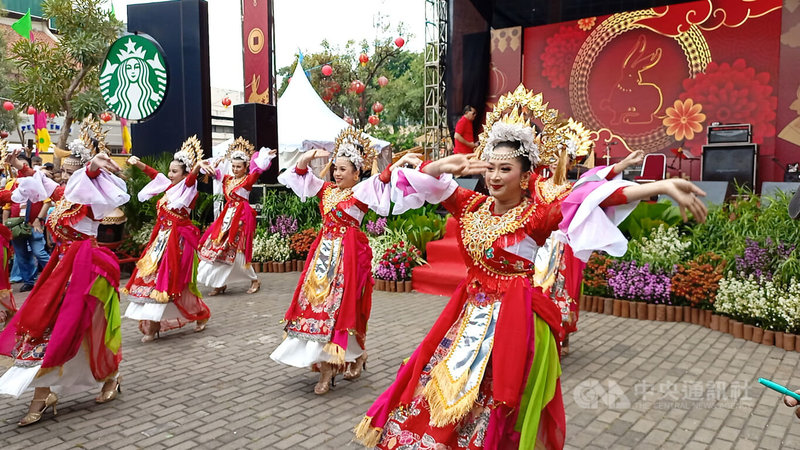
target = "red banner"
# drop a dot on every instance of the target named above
(258, 50)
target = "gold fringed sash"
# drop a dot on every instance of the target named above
(366, 434)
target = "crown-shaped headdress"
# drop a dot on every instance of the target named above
(91, 140)
(190, 153)
(347, 146)
(513, 119)
(241, 149)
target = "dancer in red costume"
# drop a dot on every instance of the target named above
(327, 320)
(559, 273)
(487, 374)
(66, 336)
(226, 248)
(163, 290)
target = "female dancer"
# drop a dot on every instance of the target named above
(557, 271)
(227, 246)
(66, 336)
(487, 374)
(7, 305)
(327, 320)
(163, 290)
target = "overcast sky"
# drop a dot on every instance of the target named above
(299, 24)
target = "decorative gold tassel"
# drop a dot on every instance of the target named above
(336, 353)
(366, 434)
(146, 265)
(375, 170)
(159, 296)
(440, 390)
(560, 175)
(61, 153)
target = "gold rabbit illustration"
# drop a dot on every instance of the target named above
(632, 101)
(255, 96)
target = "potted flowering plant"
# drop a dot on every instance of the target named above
(695, 283)
(259, 256)
(300, 244)
(395, 265)
(629, 281)
(283, 226)
(595, 281)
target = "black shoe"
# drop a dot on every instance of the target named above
(26, 287)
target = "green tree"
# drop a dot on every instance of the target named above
(402, 97)
(9, 120)
(64, 78)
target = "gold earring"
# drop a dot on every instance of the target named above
(524, 183)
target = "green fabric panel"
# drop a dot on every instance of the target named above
(541, 385)
(193, 282)
(103, 291)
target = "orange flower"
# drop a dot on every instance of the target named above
(587, 23)
(684, 119)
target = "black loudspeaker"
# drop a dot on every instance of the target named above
(473, 183)
(258, 123)
(181, 28)
(716, 192)
(734, 163)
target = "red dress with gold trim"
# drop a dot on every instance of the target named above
(163, 286)
(327, 320)
(67, 333)
(7, 305)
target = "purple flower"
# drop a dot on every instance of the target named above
(628, 280)
(284, 225)
(761, 260)
(377, 227)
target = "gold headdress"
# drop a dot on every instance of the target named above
(347, 146)
(91, 140)
(4, 152)
(513, 119)
(240, 149)
(190, 153)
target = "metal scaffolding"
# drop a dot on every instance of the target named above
(436, 131)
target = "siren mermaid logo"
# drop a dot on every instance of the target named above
(133, 80)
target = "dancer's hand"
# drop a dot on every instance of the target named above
(634, 158)
(686, 194)
(133, 161)
(12, 160)
(302, 163)
(103, 161)
(412, 159)
(458, 165)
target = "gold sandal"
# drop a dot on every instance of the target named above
(254, 287)
(354, 369)
(33, 417)
(217, 291)
(107, 396)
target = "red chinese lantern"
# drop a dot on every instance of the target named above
(364, 59)
(374, 120)
(383, 81)
(377, 107)
(31, 110)
(8, 106)
(105, 117)
(360, 87)
(356, 87)
(327, 70)
(349, 120)
(3, 134)
(226, 102)
(399, 42)
(51, 115)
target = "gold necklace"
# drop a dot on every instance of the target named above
(333, 196)
(481, 228)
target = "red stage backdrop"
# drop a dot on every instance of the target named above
(787, 146)
(258, 64)
(654, 79)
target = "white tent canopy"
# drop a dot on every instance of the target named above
(305, 122)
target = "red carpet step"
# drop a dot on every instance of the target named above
(446, 267)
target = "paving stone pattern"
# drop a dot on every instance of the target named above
(626, 384)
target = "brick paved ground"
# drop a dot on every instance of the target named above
(627, 384)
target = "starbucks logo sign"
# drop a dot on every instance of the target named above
(133, 79)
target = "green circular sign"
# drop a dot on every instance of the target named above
(133, 79)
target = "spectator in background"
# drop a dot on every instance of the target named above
(47, 168)
(30, 249)
(464, 137)
(36, 161)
